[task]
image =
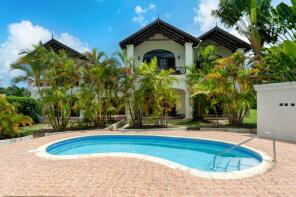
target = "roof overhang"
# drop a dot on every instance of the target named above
(159, 26)
(225, 39)
(57, 46)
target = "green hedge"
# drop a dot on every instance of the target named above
(27, 106)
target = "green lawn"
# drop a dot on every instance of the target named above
(31, 130)
(251, 118)
(190, 123)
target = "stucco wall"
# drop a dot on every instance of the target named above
(271, 116)
(180, 101)
(220, 50)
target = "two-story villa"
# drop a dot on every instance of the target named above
(176, 49)
(173, 48)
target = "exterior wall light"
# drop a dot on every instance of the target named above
(139, 58)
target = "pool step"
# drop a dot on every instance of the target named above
(229, 164)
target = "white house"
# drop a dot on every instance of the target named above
(173, 48)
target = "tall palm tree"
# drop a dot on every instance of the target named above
(33, 66)
(127, 81)
(251, 18)
(99, 57)
(98, 87)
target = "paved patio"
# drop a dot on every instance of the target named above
(23, 173)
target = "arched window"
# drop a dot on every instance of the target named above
(165, 59)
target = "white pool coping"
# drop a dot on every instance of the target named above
(263, 167)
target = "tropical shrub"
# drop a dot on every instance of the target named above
(146, 91)
(155, 95)
(206, 59)
(55, 76)
(26, 106)
(230, 84)
(57, 97)
(15, 91)
(10, 120)
(280, 62)
(98, 88)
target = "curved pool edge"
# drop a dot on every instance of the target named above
(263, 167)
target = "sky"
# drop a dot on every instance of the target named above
(87, 24)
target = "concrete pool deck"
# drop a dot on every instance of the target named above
(23, 173)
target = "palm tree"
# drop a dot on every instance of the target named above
(127, 82)
(33, 65)
(206, 60)
(57, 96)
(99, 58)
(99, 87)
(229, 83)
(251, 18)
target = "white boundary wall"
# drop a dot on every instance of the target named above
(276, 110)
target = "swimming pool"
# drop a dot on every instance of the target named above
(187, 152)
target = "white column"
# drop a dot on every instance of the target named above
(81, 114)
(130, 54)
(130, 50)
(188, 62)
(188, 54)
(188, 106)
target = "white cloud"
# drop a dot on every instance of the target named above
(143, 13)
(22, 36)
(140, 10)
(203, 15)
(152, 7)
(72, 42)
(204, 19)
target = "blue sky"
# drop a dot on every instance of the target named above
(86, 24)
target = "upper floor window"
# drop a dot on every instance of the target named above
(165, 59)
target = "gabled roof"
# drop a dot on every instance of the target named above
(224, 38)
(57, 46)
(159, 26)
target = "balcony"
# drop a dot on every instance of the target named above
(178, 70)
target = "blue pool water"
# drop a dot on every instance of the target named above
(193, 153)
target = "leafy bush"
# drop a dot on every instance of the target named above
(15, 91)
(280, 62)
(27, 106)
(229, 83)
(10, 120)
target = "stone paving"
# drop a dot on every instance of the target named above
(24, 174)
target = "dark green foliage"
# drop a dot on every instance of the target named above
(284, 20)
(206, 60)
(280, 62)
(27, 106)
(15, 91)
